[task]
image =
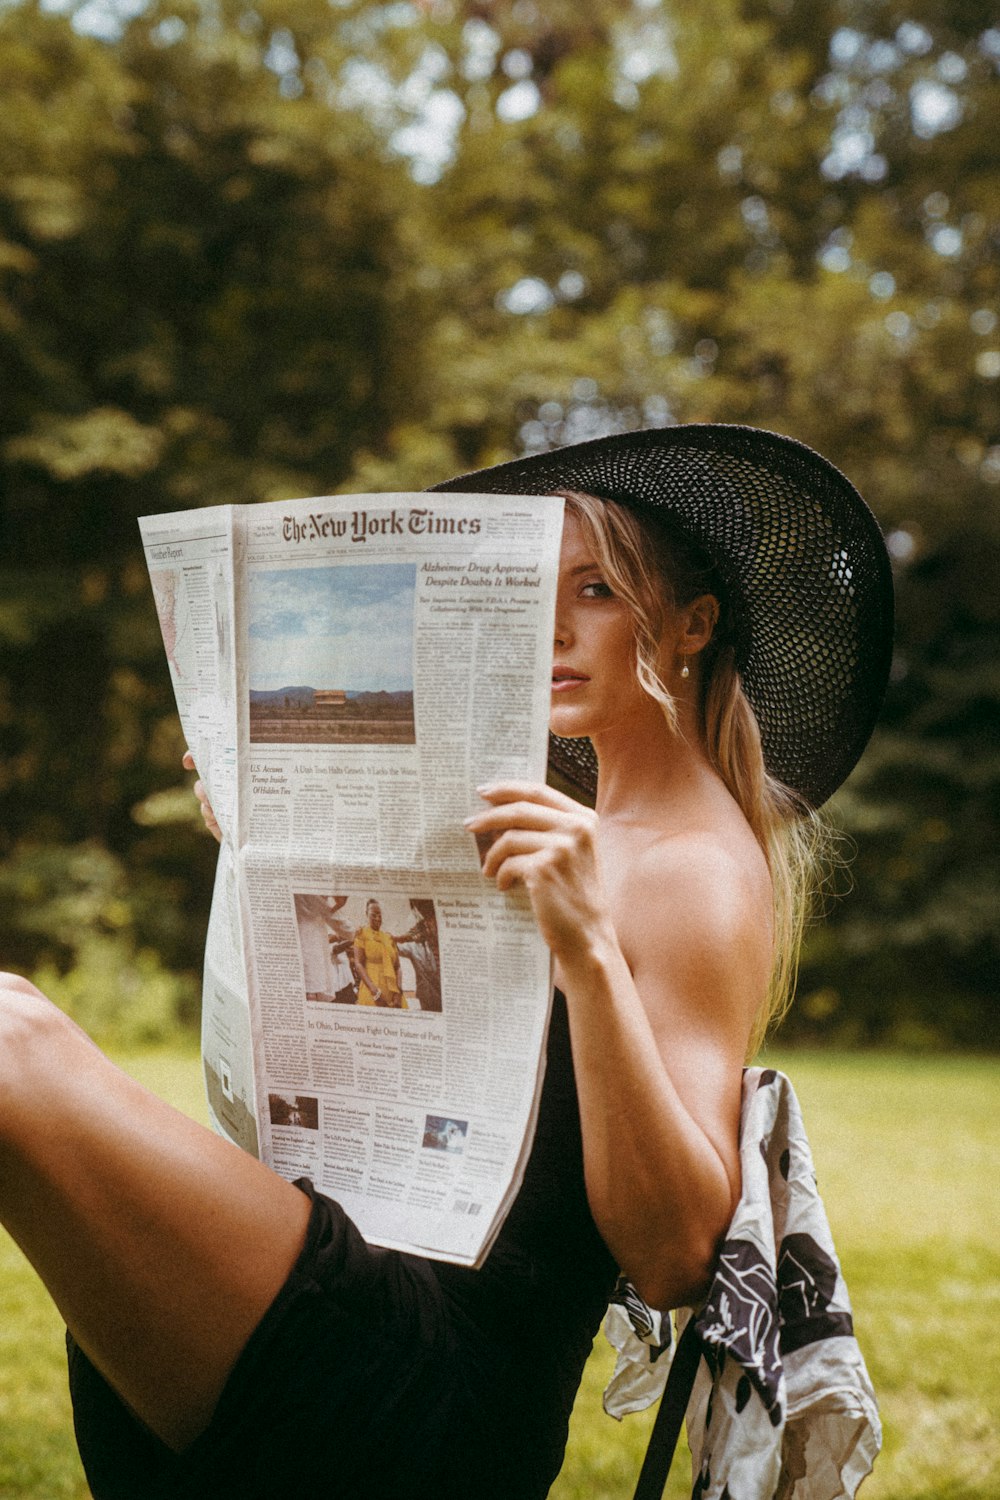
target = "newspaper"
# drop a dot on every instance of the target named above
(347, 671)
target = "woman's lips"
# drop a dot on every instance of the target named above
(563, 678)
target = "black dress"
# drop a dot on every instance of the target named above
(382, 1376)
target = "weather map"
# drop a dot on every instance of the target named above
(175, 621)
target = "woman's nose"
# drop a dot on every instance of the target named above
(563, 633)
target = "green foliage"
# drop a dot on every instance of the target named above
(199, 302)
(82, 928)
(241, 257)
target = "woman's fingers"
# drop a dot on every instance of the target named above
(516, 842)
(519, 815)
(211, 823)
(500, 792)
(519, 869)
(207, 813)
(530, 822)
(528, 804)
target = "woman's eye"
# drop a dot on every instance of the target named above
(596, 589)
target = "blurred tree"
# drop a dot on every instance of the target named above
(247, 253)
(205, 297)
(789, 215)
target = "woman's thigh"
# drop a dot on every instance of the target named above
(161, 1244)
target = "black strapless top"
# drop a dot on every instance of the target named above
(540, 1297)
(549, 1228)
(551, 1213)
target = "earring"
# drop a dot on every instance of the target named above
(685, 670)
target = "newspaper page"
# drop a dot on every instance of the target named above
(348, 670)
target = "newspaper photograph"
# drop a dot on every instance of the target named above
(347, 671)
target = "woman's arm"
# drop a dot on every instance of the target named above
(662, 959)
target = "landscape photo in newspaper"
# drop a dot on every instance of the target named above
(347, 671)
(331, 654)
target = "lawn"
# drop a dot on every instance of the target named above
(906, 1150)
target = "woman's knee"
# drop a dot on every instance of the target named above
(39, 1046)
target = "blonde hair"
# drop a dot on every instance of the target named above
(653, 569)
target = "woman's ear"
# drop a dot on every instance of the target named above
(700, 618)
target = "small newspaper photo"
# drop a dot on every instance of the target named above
(347, 671)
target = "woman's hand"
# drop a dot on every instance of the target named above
(206, 807)
(546, 842)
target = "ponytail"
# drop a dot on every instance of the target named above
(794, 838)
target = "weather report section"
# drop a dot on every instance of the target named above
(190, 556)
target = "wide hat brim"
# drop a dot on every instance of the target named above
(801, 560)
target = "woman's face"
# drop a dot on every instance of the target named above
(594, 684)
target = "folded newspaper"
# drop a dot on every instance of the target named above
(347, 671)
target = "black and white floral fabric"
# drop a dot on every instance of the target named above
(782, 1406)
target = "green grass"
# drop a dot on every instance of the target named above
(906, 1150)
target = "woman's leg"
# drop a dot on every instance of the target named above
(161, 1244)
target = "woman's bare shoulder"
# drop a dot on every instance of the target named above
(720, 873)
(695, 907)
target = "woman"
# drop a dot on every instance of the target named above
(376, 959)
(721, 645)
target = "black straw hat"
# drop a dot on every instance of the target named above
(801, 561)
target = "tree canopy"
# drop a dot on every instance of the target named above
(253, 252)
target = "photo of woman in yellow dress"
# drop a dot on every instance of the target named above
(376, 959)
